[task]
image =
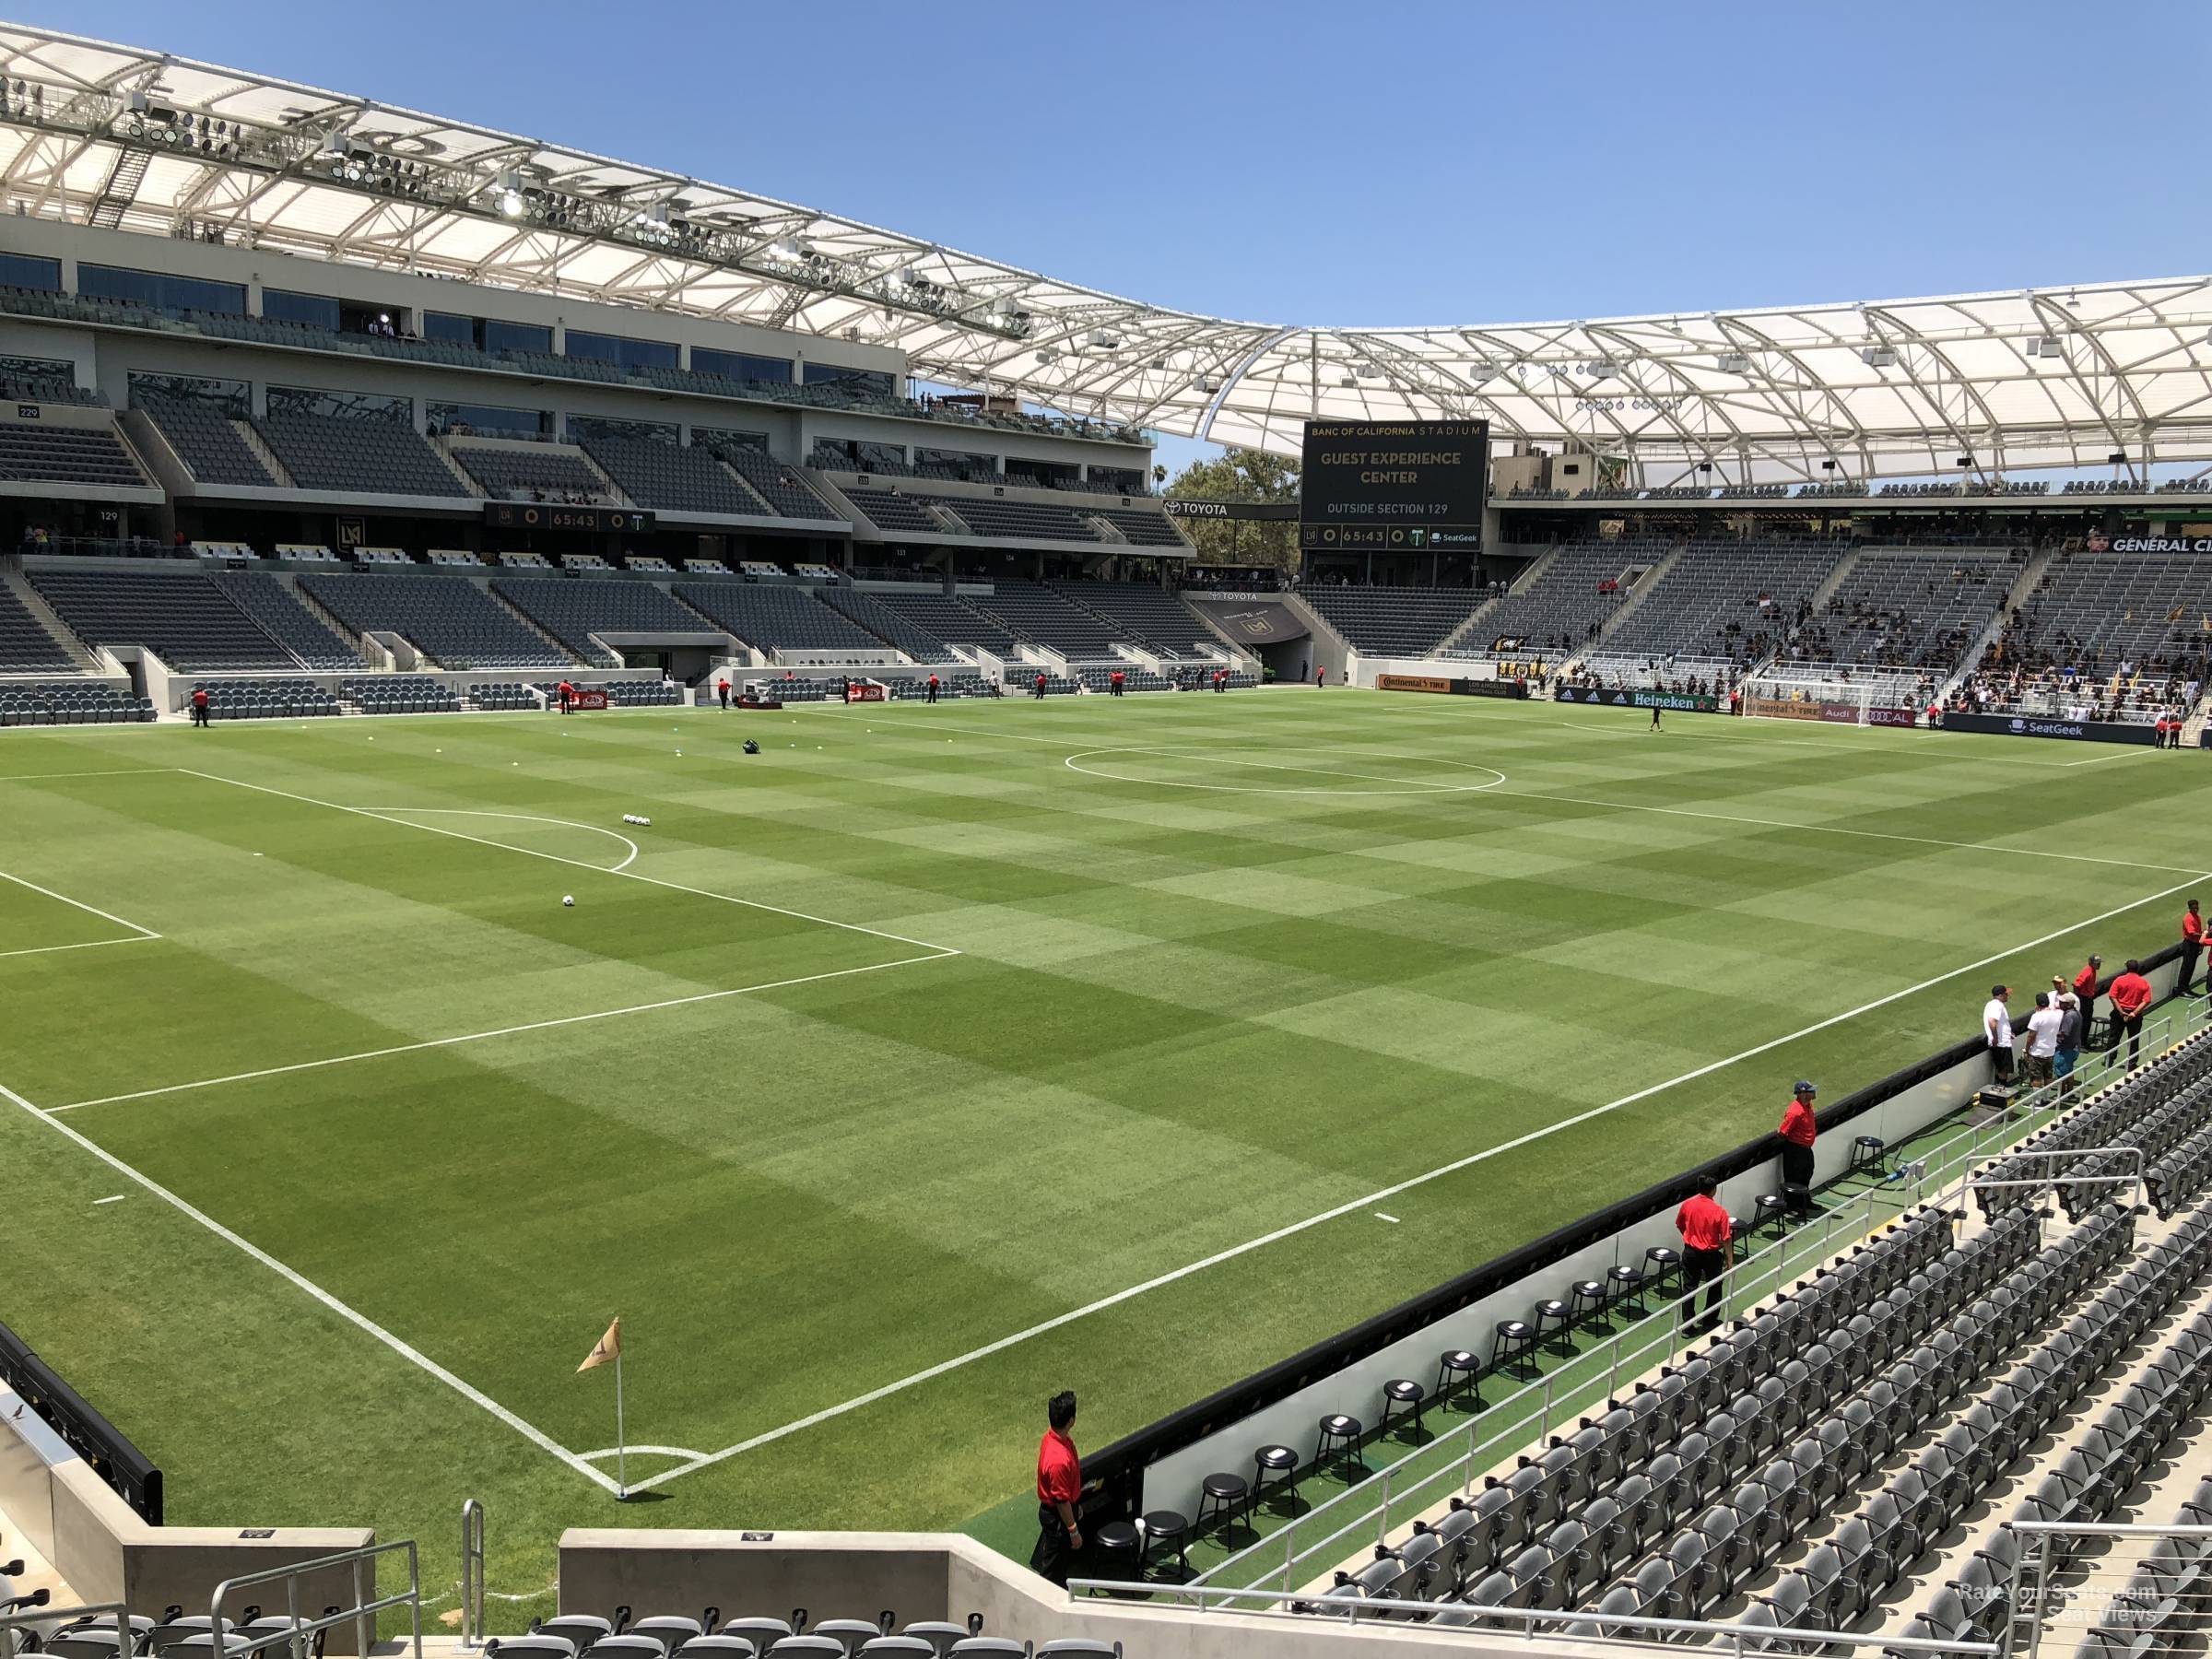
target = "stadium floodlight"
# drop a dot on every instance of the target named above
(2045, 345)
(1733, 362)
(2117, 458)
(1046, 354)
(1205, 383)
(1879, 356)
(510, 203)
(1158, 365)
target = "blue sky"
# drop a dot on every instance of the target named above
(1298, 162)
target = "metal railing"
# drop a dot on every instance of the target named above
(1536, 1624)
(46, 1619)
(2105, 1595)
(362, 1614)
(1427, 1476)
(472, 1575)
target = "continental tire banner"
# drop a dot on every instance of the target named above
(1456, 687)
(1410, 682)
(2036, 726)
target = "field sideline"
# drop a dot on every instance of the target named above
(929, 1061)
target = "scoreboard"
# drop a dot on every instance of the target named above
(1394, 485)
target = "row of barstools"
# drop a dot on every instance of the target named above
(1516, 1346)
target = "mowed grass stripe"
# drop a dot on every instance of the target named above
(1185, 1023)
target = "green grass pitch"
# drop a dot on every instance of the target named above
(1028, 1045)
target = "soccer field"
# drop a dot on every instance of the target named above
(932, 1060)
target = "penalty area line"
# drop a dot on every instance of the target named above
(469, 1392)
(1367, 1201)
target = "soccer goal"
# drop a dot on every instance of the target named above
(1861, 699)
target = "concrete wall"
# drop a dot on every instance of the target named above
(104, 1552)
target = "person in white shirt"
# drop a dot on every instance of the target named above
(1997, 1030)
(2043, 1027)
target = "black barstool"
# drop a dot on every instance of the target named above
(1169, 1528)
(1591, 1300)
(1219, 1499)
(1511, 1344)
(1740, 1229)
(1339, 1438)
(1280, 1461)
(1624, 1289)
(1117, 1540)
(1553, 1320)
(1773, 1210)
(1408, 1396)
(1868, 1152)
(1456, 1368)
(1662, 1269)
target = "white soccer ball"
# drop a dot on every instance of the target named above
(569, 899)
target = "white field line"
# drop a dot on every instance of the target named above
(1724, 818)
(1369, 1200)
(512, 1030)
(80, 944)
(474, 1395)
(143, 933)
(526, 817)
(675, 886)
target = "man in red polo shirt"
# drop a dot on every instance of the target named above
(1706, 1229)
(2131, 995)
(933, 688)
(1798, 1131)
(2192, 942)
(721, 690)
(199, 705)
(2085, 990)
(1041, 687)
(568, 693)
(1059, 1484)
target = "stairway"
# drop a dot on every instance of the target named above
(121, 190)
(264, 453)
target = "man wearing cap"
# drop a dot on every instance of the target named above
(2068, 1054)
(1798, 1130)
(1996, 1031)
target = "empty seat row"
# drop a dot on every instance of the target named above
(458, 624)
(401, 694)
(266, 699)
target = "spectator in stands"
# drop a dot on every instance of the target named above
(1997, 1033)
(721, 690)
(2084, 988)
(1799, 1128)
(2043, 1028)
(2193, 945)
(2131, 995)
(1706, 1229)
(199, 705)
(1059, 1485)
(2068, 1053)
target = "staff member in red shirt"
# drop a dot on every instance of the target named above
(1041, 687)
(1706, 1229)
(2131, 994)
(1799, 1128)
(1113, 682)
(933, 688)
(568, 694)
(2085, 992)
(199, 705)
(722, 688)
(1059, 1484)
(2192, 942)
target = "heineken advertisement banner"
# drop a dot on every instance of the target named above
(2038, 726)
(1687, 702)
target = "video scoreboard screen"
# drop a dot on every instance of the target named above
(554, 515)
(1394, 486)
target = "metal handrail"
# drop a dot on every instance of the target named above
(1531, 1405)
(472, 1575)
(1385, 1611)
(12, 1622)
(362, 1614)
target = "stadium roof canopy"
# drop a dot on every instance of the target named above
(119, 138)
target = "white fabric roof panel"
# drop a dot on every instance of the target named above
(1764, 393)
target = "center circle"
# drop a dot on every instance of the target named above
(1236, 758)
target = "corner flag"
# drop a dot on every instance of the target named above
(609, 1348)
